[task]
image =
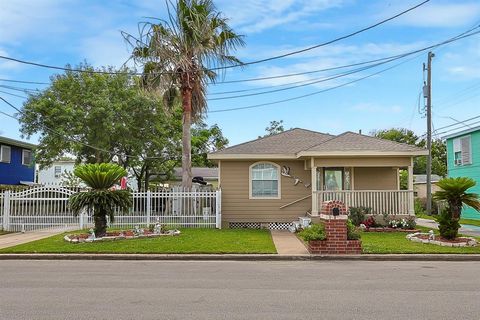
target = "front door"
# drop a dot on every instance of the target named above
(333, 179)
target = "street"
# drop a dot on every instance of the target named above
(238, 290)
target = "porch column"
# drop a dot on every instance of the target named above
(314, 192)
(411, 210)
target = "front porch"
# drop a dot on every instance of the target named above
(373, 184)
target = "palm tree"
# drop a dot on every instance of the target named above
(454, 191)
(178, 56)
(100, 200)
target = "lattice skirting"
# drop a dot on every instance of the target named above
(258, 225)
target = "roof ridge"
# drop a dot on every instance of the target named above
(381, 139)
(332, 137)
(269, 136)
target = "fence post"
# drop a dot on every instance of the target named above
(6, 211)
(149, 207)
(218, 209)
(81, 220)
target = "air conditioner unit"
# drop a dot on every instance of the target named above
(458, 162)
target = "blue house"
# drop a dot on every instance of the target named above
(16, 162)
(463, 160)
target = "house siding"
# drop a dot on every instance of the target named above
(375, 178)
(470, 170)
(237, 207)
(14, 172)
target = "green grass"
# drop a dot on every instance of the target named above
(395, 242)
(190, 241)
(462, 221)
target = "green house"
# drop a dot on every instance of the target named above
(463, 160)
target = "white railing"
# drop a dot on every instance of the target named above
(47, 207)
(380, 201)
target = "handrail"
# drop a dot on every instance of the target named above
(295, 201)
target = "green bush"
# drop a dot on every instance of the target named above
(352, 232)
(418, 207)
(358, 214)
(447, 226)
(314, 232)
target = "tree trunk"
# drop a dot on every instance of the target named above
(186, 138)
(100, 221)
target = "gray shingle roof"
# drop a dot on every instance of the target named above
(206, 173)
(287, 142)
(350, 141)
(422, 178)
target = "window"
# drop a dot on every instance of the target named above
(58, 171)
(462, 154)
(26, 157)
(264, 181)
(5, 154)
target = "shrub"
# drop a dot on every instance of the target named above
(370, 222)
(358, 214)
(447, 226)
(352, 232)
(418, 207)
(411, 223)
(314, 232)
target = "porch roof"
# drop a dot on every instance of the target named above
(296, 143)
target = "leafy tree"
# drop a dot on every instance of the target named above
(401, 135)
(275, 127)
(178, 55)
(100, 200)
(205, 140)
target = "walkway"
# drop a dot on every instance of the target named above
(13, 239)
(468, 230)
(287, 243)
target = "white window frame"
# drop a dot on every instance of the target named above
(55, 171)
(457, 147)
(23, 157)
(2, 147)
(279, 193)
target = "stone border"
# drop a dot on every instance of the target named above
(471, 242)
(69, 238)
(388, 229)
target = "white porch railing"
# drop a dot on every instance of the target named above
(380, 201)
(47, 207)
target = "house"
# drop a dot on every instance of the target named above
(16, 162)
(53, 173)
(273, 180)
(420, 184)
(463, 160)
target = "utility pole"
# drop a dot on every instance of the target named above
(427, 93)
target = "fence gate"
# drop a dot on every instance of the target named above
(47, 208)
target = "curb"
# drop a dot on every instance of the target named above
(245, 257)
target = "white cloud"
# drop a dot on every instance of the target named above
(437, 14)
(251, 16)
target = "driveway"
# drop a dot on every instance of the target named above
(469, 230)
(238, 290)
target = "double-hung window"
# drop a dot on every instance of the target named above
(462, 151)
(264, 181)
(27, 157)
(5, 154)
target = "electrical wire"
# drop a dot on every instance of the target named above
(234, 65)
(23, 81)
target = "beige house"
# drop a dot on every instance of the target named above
(420, 184)
(274, 180)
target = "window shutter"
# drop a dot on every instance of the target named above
(466, 152)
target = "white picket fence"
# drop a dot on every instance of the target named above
(47, 207)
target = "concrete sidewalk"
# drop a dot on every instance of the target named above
(287, 243)
(13, 239)
(468, 230)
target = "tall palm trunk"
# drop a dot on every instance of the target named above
(186, 138)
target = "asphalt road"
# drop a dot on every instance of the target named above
(117, 290)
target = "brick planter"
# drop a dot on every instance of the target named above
(336, 231)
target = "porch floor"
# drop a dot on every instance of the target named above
(287, 243)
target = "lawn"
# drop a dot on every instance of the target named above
(190, 241)
(395, 242)
(462, 221)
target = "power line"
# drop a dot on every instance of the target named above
(13, 94)
(23, 81)
(312, 93)
(25, 90)
(235, 65)
(327, 42)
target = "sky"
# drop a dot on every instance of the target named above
(65, 32)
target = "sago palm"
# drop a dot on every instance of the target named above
(100, 200)
(177, 56)
(454, 192)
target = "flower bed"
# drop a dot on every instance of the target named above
(118, 235)
(430, 238)
(389, 229)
